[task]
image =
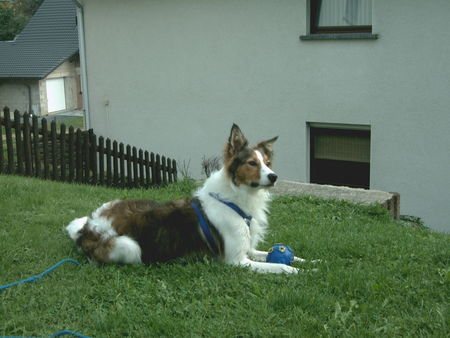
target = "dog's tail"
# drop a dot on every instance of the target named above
(74, 228)
(103, 246)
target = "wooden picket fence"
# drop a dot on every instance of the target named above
(30, 147)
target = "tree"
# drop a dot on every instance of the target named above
(27, 7)
(14, 16)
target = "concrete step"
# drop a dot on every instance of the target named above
(389, 200)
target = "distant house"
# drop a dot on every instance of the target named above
(39, 69)
(360, 99)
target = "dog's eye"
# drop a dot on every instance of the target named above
(268, 163)
(252, 163)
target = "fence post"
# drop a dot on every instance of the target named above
(147, 169)
(153, 164)
(54, 151)
(108, 162)
(79, 159)
(141, 168)
(19, 146)
(169, 170)
(70, 155)
(27, 144)
(164, 170)
(86, 158)
(174, 170)
(62, 144)
(37, 155)
(101, 160)
(122, 164)
(135, 168)
(158, 169)
(94, 157)
(9, 140)
(115, 164)
(129, 172)
(45, 148)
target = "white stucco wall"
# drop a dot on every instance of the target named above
(172, 76)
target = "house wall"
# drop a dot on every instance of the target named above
(14, 93)
(175, 75)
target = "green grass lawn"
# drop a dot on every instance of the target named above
(378, 277)
(77, 122)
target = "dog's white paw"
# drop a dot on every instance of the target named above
(289, 269)
(301, 260)
(263, 267)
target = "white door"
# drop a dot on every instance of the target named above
(56, 96)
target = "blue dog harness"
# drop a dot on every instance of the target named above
(247, 218)
(205, 224)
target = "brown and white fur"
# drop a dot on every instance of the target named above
(144, 231)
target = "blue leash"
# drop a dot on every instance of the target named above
(62, 333)
(33, 278)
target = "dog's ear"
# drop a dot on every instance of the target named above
(267, 146)
(236, 142)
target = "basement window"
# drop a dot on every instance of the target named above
(340, 155)
(341, 16)
(340, 19)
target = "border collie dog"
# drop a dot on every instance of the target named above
(227, 216)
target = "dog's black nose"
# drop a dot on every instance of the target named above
(272, 177)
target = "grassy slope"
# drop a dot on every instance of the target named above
(77, 122)
(378, 276)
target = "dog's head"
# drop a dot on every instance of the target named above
(250, 166)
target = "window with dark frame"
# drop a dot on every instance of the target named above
(340, 16)
(340, 157)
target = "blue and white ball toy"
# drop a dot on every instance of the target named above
(281, 254)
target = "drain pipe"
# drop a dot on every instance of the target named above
(83, 69)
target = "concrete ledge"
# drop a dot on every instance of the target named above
(390, 201)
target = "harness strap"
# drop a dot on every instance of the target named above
(247, 218)
(202, 221)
